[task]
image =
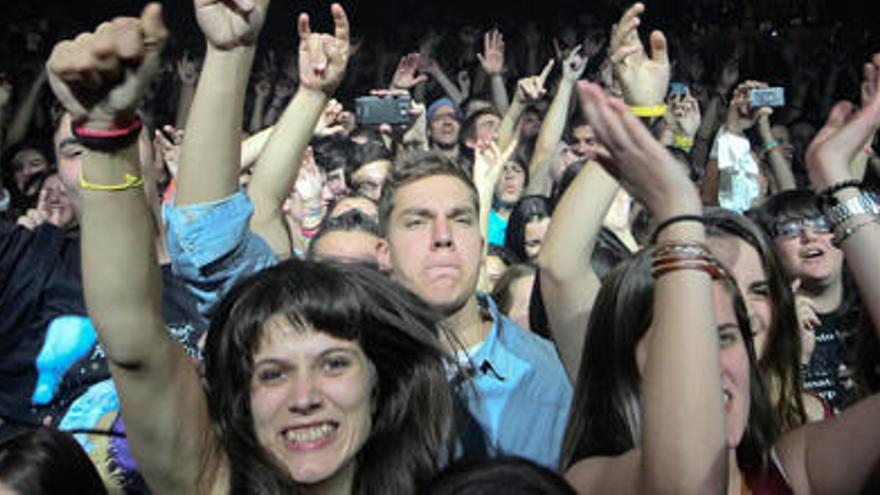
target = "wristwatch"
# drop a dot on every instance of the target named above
(844, 210)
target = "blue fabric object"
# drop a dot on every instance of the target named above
(443, 102)
(211, 246)
(522, 391)
(497, 228)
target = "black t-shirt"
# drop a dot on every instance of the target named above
(829, 373)
(52, 368)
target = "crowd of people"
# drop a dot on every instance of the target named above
(630, 267)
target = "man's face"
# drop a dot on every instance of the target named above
(584, 142)
(433, 245)
(69, 155)
(369, 178)
(805, 250)
(26, 165)
(485, 128)
(529, 124)
(444, 127)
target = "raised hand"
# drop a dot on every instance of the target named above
(229, 24)
(102, 76)
(168, 142)
(574, 64)
(328, 124)
(639, 161)
(532, 88)
(740, 114)
(492, 58)
(322, 57)
(488, 163)
(685, 112)
(406, 75)
(643, 80)
(845, 132)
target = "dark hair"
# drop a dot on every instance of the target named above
(334, 153)
(412, 403)
(415, 166)
(350, 221)
(605, 417)
(784, 206)
(469, 126)
(780, 360)
(501, 293)
(528, 209)
(45, 461)
(506, 474)
(353, 195)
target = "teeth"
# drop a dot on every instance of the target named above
(309, 434)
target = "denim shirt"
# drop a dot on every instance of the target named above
(522, 391)
(211, 246)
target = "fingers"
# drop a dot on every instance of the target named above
(546, 71)
(659, 52)
(340, 23)
(302, 27)
(155, 34)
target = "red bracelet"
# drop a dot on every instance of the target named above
(109, 139)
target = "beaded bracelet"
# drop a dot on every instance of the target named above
(839, 186)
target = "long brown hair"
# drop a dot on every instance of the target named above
(412, 403)
(780, 360)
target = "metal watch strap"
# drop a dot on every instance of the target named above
(846, 209)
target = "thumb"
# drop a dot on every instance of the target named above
(839, 114)
(658, 48)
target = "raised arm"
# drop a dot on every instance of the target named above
(838, 455)
(527, 90)
(553, 125)
(322, 61)
(492, 61)
(683, 446)
(209, 161)
(166, 418)
(568, 283)
(489, 161)
(24, 114)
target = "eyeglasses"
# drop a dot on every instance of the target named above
(791, 229)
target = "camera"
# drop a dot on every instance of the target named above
(394, 110)
(678, 88)
(767, 97)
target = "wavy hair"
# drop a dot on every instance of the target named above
(412, 404)
(605, 417)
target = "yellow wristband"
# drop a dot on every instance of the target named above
(683, 142)
(131, 181)
(655, 111)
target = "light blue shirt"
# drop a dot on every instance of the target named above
(211, 246)
(522, 395)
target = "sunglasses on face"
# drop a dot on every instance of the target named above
(791, 229)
